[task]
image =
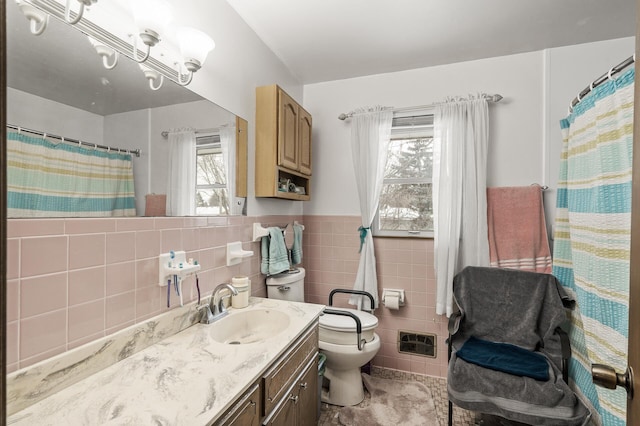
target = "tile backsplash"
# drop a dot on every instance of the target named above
(72, 281)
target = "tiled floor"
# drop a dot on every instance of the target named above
(438, 387)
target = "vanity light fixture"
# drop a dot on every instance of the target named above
(67, 10)
(152, 18)
(195, 45)
(155, 78)
(38, 20)
(106, 53)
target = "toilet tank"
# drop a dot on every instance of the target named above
(287, 286)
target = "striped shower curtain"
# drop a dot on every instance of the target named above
(47, 179)
(592, 237)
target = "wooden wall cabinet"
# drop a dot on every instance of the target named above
(283, 145)
(242, 143)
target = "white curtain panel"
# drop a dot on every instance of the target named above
(370, 133)
(181, 186)
(461, 129)
(228, 145)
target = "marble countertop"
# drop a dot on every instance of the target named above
(186, 379)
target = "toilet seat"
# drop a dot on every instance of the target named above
(343, 323)
(341, 330)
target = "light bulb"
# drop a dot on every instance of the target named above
(195, 45)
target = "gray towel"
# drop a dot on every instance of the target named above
(519, 308)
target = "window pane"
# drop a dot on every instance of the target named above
(210, 168)
(406, 207)
(409, 158)
(212, 201)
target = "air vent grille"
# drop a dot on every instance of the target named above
(422, 344)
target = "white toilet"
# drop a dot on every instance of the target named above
(338, 341)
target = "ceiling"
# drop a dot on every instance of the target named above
(323, 40)
(320, 40)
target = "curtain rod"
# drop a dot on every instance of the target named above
(165, 133)
(490, 98)
(135, 152)
(598, 81)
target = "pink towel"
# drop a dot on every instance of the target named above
(517, 229)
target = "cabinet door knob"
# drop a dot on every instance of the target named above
(294, 398)
(303, 385)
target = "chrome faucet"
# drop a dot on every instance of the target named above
(218, 308)
(215, 309)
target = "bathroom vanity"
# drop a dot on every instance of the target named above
(287, 393)
(244, 369)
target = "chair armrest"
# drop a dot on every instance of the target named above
(454, 322)
(565, 346)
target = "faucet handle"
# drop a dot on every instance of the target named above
(207, 315)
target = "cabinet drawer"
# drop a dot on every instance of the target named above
(298, 406)
(279, 378)
(245, 412)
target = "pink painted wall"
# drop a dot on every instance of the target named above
(71, 281)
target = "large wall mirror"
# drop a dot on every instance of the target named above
(57, 85)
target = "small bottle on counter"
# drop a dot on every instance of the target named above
(242, 285)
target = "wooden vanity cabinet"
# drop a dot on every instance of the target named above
(290, 386)
(286, 394)
(246, 411)
(298, 408)
(283, 144)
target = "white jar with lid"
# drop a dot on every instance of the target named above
(242, 285)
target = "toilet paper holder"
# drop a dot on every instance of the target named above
(393, 292)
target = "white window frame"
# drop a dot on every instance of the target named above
(205, 142)
(401, 130)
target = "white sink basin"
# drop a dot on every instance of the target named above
(249, 326)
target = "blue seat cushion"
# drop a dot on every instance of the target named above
(505, 358)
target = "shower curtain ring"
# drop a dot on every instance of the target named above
(609, 74)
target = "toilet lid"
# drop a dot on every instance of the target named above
(345, 323)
